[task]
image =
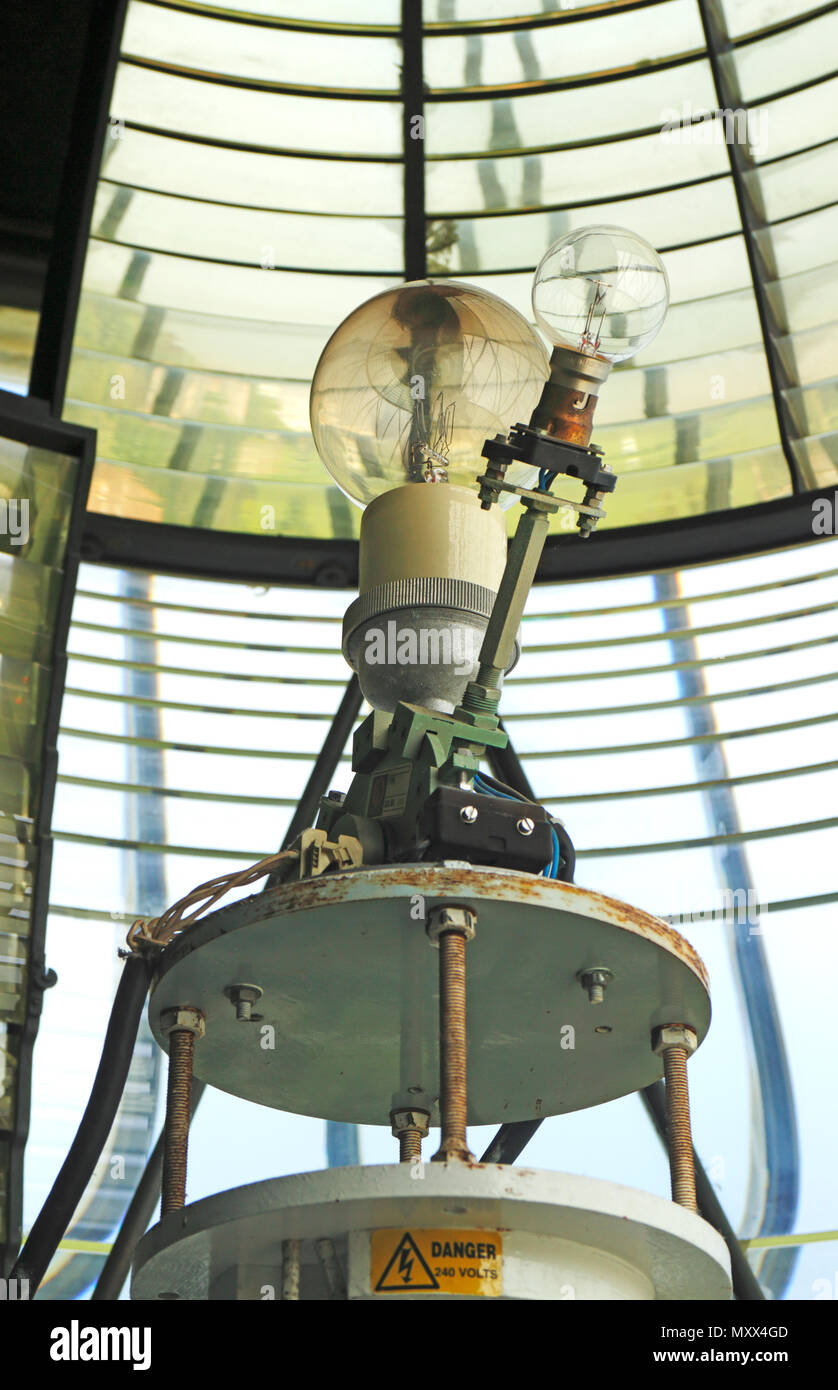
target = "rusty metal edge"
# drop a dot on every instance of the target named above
(432, 880)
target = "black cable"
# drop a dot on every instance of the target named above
(327, 761)
(510, 1141)
(137, 1217)
(323, 770)
(746, 1286)
(76, 1171)
(505, 763)
(567, 864)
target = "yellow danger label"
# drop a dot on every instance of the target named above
(463, 1262)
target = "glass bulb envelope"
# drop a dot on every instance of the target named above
(413, 381)
(602, 291)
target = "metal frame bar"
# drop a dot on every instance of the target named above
(413, 99)
(28, 423)
(254, 84)
(433, 29)
(725, 535)
(718, 45)
(246, 146)
(62, 286)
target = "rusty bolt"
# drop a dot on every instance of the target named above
(244, 997)
(676, 1042)
(183, 1025)
(450, 927)
(410, 1119)
(409, 1127)
(185, 1020)
(674, 1035)
(595, 981)
(448, 918)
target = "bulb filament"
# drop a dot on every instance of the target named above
(590, 335)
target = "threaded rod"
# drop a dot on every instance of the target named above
(681, 1166)
(453, 1104)
(410, 1145)
(176, 1134)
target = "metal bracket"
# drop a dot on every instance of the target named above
(318, 853)
(546, 452)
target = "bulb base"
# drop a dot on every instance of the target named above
(431, 562)
(568, 401)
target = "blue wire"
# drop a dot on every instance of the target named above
(492, 791)
(557, 854)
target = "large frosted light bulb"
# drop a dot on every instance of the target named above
(411, 384)
(601, 291)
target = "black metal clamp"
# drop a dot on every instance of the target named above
(549, 455)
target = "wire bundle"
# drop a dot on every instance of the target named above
(159, 931)
(490, 786)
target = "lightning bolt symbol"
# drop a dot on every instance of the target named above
(405, 1265)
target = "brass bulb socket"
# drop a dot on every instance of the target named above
(568, 401)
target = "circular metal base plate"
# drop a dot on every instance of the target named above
(546, 1236)
(348, 1015)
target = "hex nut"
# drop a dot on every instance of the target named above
(674, 1035)
(184, 1020)
(401, 1120)
(451, 917)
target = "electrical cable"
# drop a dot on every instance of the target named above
(77, 1169)
(504, 788)
(159, 931)
(137, 1217)
(510, 1140)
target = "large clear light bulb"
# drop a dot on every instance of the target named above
(601, 291)
(411, 384)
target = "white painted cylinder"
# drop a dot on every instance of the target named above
(430, 1231)
(431, 530)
